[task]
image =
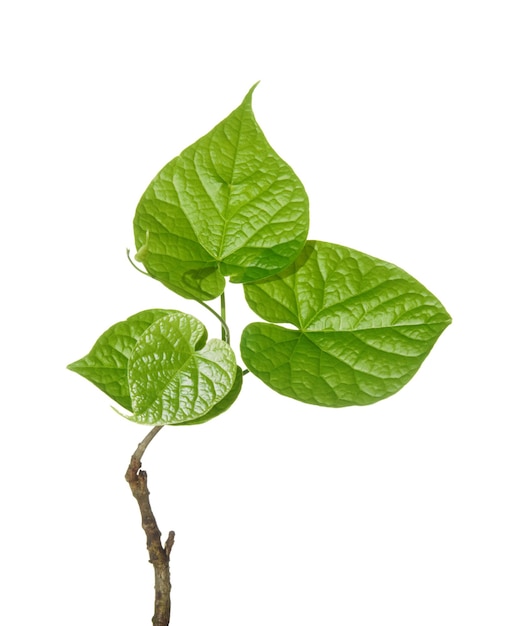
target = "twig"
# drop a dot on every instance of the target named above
(159, 555)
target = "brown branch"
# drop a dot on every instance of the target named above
(159, 556)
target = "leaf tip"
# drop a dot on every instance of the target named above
(248, 98)
(72, 366)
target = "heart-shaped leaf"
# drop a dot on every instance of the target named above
(227, 206)
(106, 365)
(174, 375)
(364, 327)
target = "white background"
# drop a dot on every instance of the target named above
(405, 122)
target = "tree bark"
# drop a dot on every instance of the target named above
(159, 555)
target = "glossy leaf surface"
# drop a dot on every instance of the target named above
(106, 365)
(224, 404)
(174, 375)
(227, 206)
(363, 327)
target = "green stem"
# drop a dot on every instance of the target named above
(225, 335)
(225, 331)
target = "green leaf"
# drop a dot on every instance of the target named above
(224, 404)
(106, 365)
(174, 375)
(364, 327)
(227, 206)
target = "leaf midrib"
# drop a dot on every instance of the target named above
(230, 184)
(364, 294)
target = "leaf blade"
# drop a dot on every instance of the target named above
(223, 405)
(106, 364)
(227, 206)
(364, 325)
(174, 375)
